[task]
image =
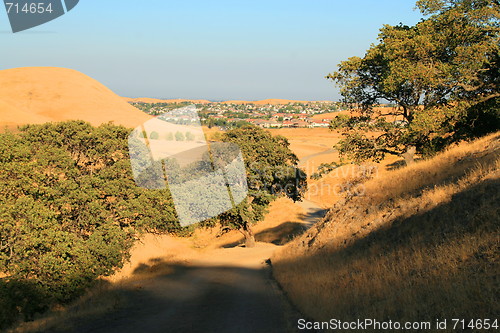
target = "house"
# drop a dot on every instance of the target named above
(319, 123)
(268, 123)
(299, 123)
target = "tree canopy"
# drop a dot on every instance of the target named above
(437, 72)
(271, 172)
(70, 208)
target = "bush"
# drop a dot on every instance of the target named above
(154, 136)
(179, 136)
(20, 299)
(169, 136)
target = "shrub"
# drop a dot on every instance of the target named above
(179, 136)
(154, 136)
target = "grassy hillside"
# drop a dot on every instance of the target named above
(421, 243)
(36, 95)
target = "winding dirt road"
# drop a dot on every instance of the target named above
(303, 161)
(220, 290)
(226, 290)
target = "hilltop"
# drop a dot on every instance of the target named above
(35, 95)
(423, 236)
(148, 100)
(273, 101)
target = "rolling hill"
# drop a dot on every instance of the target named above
(204, 101)
(34, 95)
(156, 100)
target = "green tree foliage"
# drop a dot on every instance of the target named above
(271, 172)
(190, 136)
(70, 209)
(437, 72)
(179, 136)
(341, 121)
(169, 136)
(154, 136)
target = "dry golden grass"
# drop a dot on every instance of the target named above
(35, 95)
(308, 141)
(330, 115)
(318, 136)
(315, 146)
(283, 222)
(332, 187)
(213, 133)
(421, 243)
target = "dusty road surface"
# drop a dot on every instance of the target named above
(223, 290)
(215, 290)
(304, 160)
(313, 212)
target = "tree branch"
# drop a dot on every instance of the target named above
(388, 151)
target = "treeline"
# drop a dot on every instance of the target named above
(156, 109)
(170, 136)
(224, 123)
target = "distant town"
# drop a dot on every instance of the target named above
(229, 115)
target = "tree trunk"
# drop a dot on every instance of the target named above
(249, 235)
(409, 155)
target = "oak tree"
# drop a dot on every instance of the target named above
(272, 171)
(438, 72)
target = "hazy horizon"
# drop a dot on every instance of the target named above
(216, 51)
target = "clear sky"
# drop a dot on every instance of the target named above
(215, 50)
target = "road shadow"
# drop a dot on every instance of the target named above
(155, 266)
(287, 231)
(395, 165)
(165, 297)
(313, 215)
(399, 164)
(282, 234)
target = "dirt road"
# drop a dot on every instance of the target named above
(306, 159)
(224, 290)
(218, 290)
(313, 212)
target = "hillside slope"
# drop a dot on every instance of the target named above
(11, 117)
(35, 95)
(421, 244)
